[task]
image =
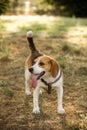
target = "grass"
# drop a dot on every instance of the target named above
(4, 51)
(65, 40)
(53, 29)
(84, 121)
(36, 27)
(83, 70)
(6, 89)
(71, 49)
(8, 92)
(1, 26)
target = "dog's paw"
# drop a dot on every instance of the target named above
(27, 93)
(61, 111)
(29, 34)
(36, 111)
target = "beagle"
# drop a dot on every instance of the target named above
(44, 71)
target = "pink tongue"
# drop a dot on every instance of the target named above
(34, 81)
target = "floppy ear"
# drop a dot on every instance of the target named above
(54, 68)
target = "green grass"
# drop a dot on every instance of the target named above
(62, 61)
(66, 47)
(8, 91)
(82, 71)
(26, 102)
(36, 27)
(48, 47)
(71, 49)
(3, 24)
(4, 50)
(53, 28)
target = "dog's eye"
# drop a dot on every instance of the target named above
(41, 64)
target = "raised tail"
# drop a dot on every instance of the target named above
(34, 52)
(30, 41)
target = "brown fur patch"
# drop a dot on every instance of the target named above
(30, 60)
(48, 64)
(54, 68)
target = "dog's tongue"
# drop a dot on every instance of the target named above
(34, 81)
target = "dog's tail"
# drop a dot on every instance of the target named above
(30, 41)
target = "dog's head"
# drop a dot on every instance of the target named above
(44, 65)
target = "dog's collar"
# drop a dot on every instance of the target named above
(51, 83)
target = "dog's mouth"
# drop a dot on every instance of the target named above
(35, 78)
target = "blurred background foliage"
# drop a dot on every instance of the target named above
(72, 8)
(3, 6)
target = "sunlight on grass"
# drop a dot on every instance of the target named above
(48, 26)
(16, 21)
(77, 35)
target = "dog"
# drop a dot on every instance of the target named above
(45, 71)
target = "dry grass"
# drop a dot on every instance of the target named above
(16, 107)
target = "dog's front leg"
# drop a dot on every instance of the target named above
(60, 98)
(27, 77)
(35, 100)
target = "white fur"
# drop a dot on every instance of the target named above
(35, 100)
(58, 85)
(29, 34)
(27, 77)
(37, 69)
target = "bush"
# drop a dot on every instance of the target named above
(3, 6)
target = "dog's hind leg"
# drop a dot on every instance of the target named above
(27, 77)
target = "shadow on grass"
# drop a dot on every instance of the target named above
(39, 121)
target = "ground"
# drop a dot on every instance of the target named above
(65, 39)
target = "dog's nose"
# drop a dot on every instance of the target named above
(31, 69)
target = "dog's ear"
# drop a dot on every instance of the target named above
(54, 68)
